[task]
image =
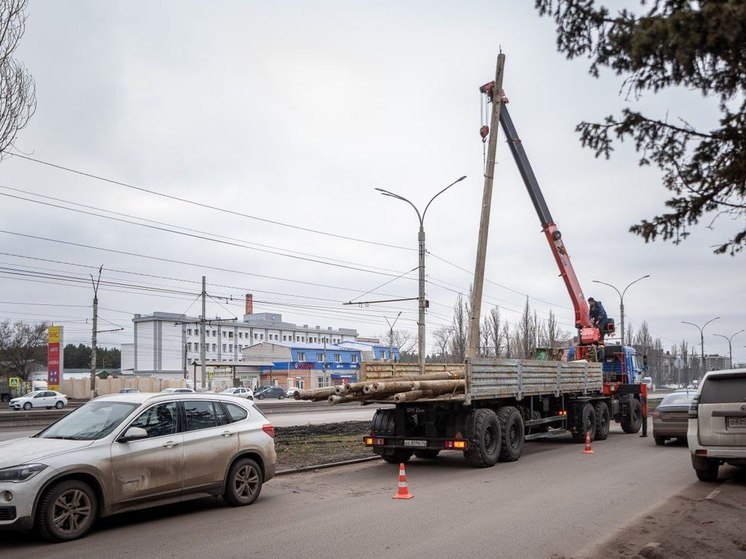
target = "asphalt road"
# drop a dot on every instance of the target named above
(554, 502)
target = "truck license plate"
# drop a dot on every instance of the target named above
(736, 421)
(411, 442)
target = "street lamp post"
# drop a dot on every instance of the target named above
(391, 335)
(701, 340)
(621, 299)
(422, 302)
(730, 346)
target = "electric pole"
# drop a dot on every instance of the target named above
(495, 96)
(202, 321)
(95, 283)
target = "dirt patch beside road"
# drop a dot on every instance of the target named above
(313, 445)
(704, 520)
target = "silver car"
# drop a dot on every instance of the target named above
(128, 451)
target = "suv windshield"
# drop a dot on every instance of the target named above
(724, 389)
(94, 420)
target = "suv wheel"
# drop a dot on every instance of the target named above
(710, 473)
(244, 483)
(67, 511)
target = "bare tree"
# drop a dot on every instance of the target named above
(19, 343)
(17, 88)
(443, 337)
(527, 333)
(485, 337)
(508, 341)
(460, 329)
(498, 335)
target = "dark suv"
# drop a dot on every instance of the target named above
(270, 392)
(717, 423)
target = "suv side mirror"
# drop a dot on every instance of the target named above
(133, 434)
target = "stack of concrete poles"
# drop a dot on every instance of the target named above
(395, 389)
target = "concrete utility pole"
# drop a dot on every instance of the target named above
(484, 223)
(95, 283)
(391, 335)
(621, 299)
(422, 301)
(202, 322)
(701, 340)
(730, 346)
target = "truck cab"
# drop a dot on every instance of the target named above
(622, 364)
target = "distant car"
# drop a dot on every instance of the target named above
(648, 381)
(671, 417)
(717, 423)
(39, 399)
(290, 392)
(124, 452)
(240, 391)
(177, 390)
(130, 391)
(270, 392)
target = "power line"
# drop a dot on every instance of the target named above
(203, 205)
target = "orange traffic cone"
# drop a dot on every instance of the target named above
(403, 490)
(588, 449)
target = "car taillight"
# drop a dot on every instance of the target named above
(693, 408)
(269, 429)
(656, 413)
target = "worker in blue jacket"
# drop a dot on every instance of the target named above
(598, 315)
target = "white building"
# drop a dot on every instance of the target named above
(167, 344)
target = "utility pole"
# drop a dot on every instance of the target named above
(496, 98)
(95, 283)
(326, 380)
(202, 322)
(391, 335)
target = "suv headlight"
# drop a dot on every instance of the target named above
(21, 473)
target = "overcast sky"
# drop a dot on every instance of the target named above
(293, 113)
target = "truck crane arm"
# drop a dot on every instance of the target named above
(587, 332)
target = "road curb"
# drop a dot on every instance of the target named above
(326, 466)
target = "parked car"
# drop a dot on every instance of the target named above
(240, 391)
(270, 392)
(125, 452)
(671, 417)
(717, 423)
(648, 381)
(129, 391)
(290, 392)
(177, 391)
(39, 399)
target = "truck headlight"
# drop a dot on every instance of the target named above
(21, 473)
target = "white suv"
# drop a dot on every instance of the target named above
(717, 423)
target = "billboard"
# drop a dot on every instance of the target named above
(55, 357)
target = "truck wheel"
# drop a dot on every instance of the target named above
(383, 422)
(513, 431)
(485, 438)
(427, 453)
(603, 421)
(660, 441)
(586, 423)
(633, 422)
(398, 456)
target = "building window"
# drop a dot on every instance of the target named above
(196, 346)
(214, 333)
(337, 358)
(213, 347)
(230, 334)
(240, 334)
(261, 336)
(189, 346)
(223, 348)
(320, 357)
(189, 331)
(301, 356)
(353, 358)
(224, 333)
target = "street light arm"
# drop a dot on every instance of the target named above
(711, 320)
(614, 288)
(439, 193)
(403, 199)
(634, 282)
(692, 323)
